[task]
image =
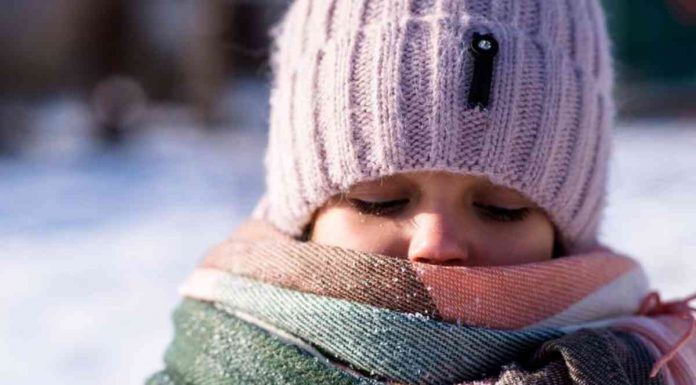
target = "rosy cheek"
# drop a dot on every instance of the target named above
(507, 245)
(534, 242)
(346, 228)
(380, 237)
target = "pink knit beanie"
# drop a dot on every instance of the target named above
(519, 91)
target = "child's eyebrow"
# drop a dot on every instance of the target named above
(376, 187)
(388, 181)
(505, 192)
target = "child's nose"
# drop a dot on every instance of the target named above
(437, 240)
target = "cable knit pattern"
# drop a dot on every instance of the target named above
(368, 88)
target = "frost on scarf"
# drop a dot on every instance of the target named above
(263, 308)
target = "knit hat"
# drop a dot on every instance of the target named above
(518, 91)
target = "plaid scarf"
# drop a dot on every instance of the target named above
(263, 308)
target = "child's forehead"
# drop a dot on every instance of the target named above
(431, 178)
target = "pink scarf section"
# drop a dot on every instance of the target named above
(596, 289)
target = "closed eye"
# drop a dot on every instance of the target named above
(381, 208)
(502, 214)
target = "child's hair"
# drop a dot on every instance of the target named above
(519, 92)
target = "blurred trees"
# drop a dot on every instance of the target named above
(655, 52)
(115, 54)
(654, 39)
(121, 55)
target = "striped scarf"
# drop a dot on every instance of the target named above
(263, 308)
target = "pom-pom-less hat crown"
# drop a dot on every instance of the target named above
(518, 91)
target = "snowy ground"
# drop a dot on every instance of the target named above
(95, 243)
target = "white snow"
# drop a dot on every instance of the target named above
(651, 214)
(93, 244)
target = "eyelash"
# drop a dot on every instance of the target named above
(378, 208)
(501, 214)
(392, 207)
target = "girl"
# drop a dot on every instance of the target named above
(436, 172)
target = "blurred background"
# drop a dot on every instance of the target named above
(131, 140)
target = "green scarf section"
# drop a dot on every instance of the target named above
(225, 343)
(214, 348)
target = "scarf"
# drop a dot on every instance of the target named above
(263, 308)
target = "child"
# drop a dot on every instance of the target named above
(436, 173)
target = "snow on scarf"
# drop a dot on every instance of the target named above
(263, 308)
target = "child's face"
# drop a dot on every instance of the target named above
(439, 218)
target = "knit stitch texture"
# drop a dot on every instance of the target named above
(368, 88)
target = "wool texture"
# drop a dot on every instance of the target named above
(368, 88)
(263, 308)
